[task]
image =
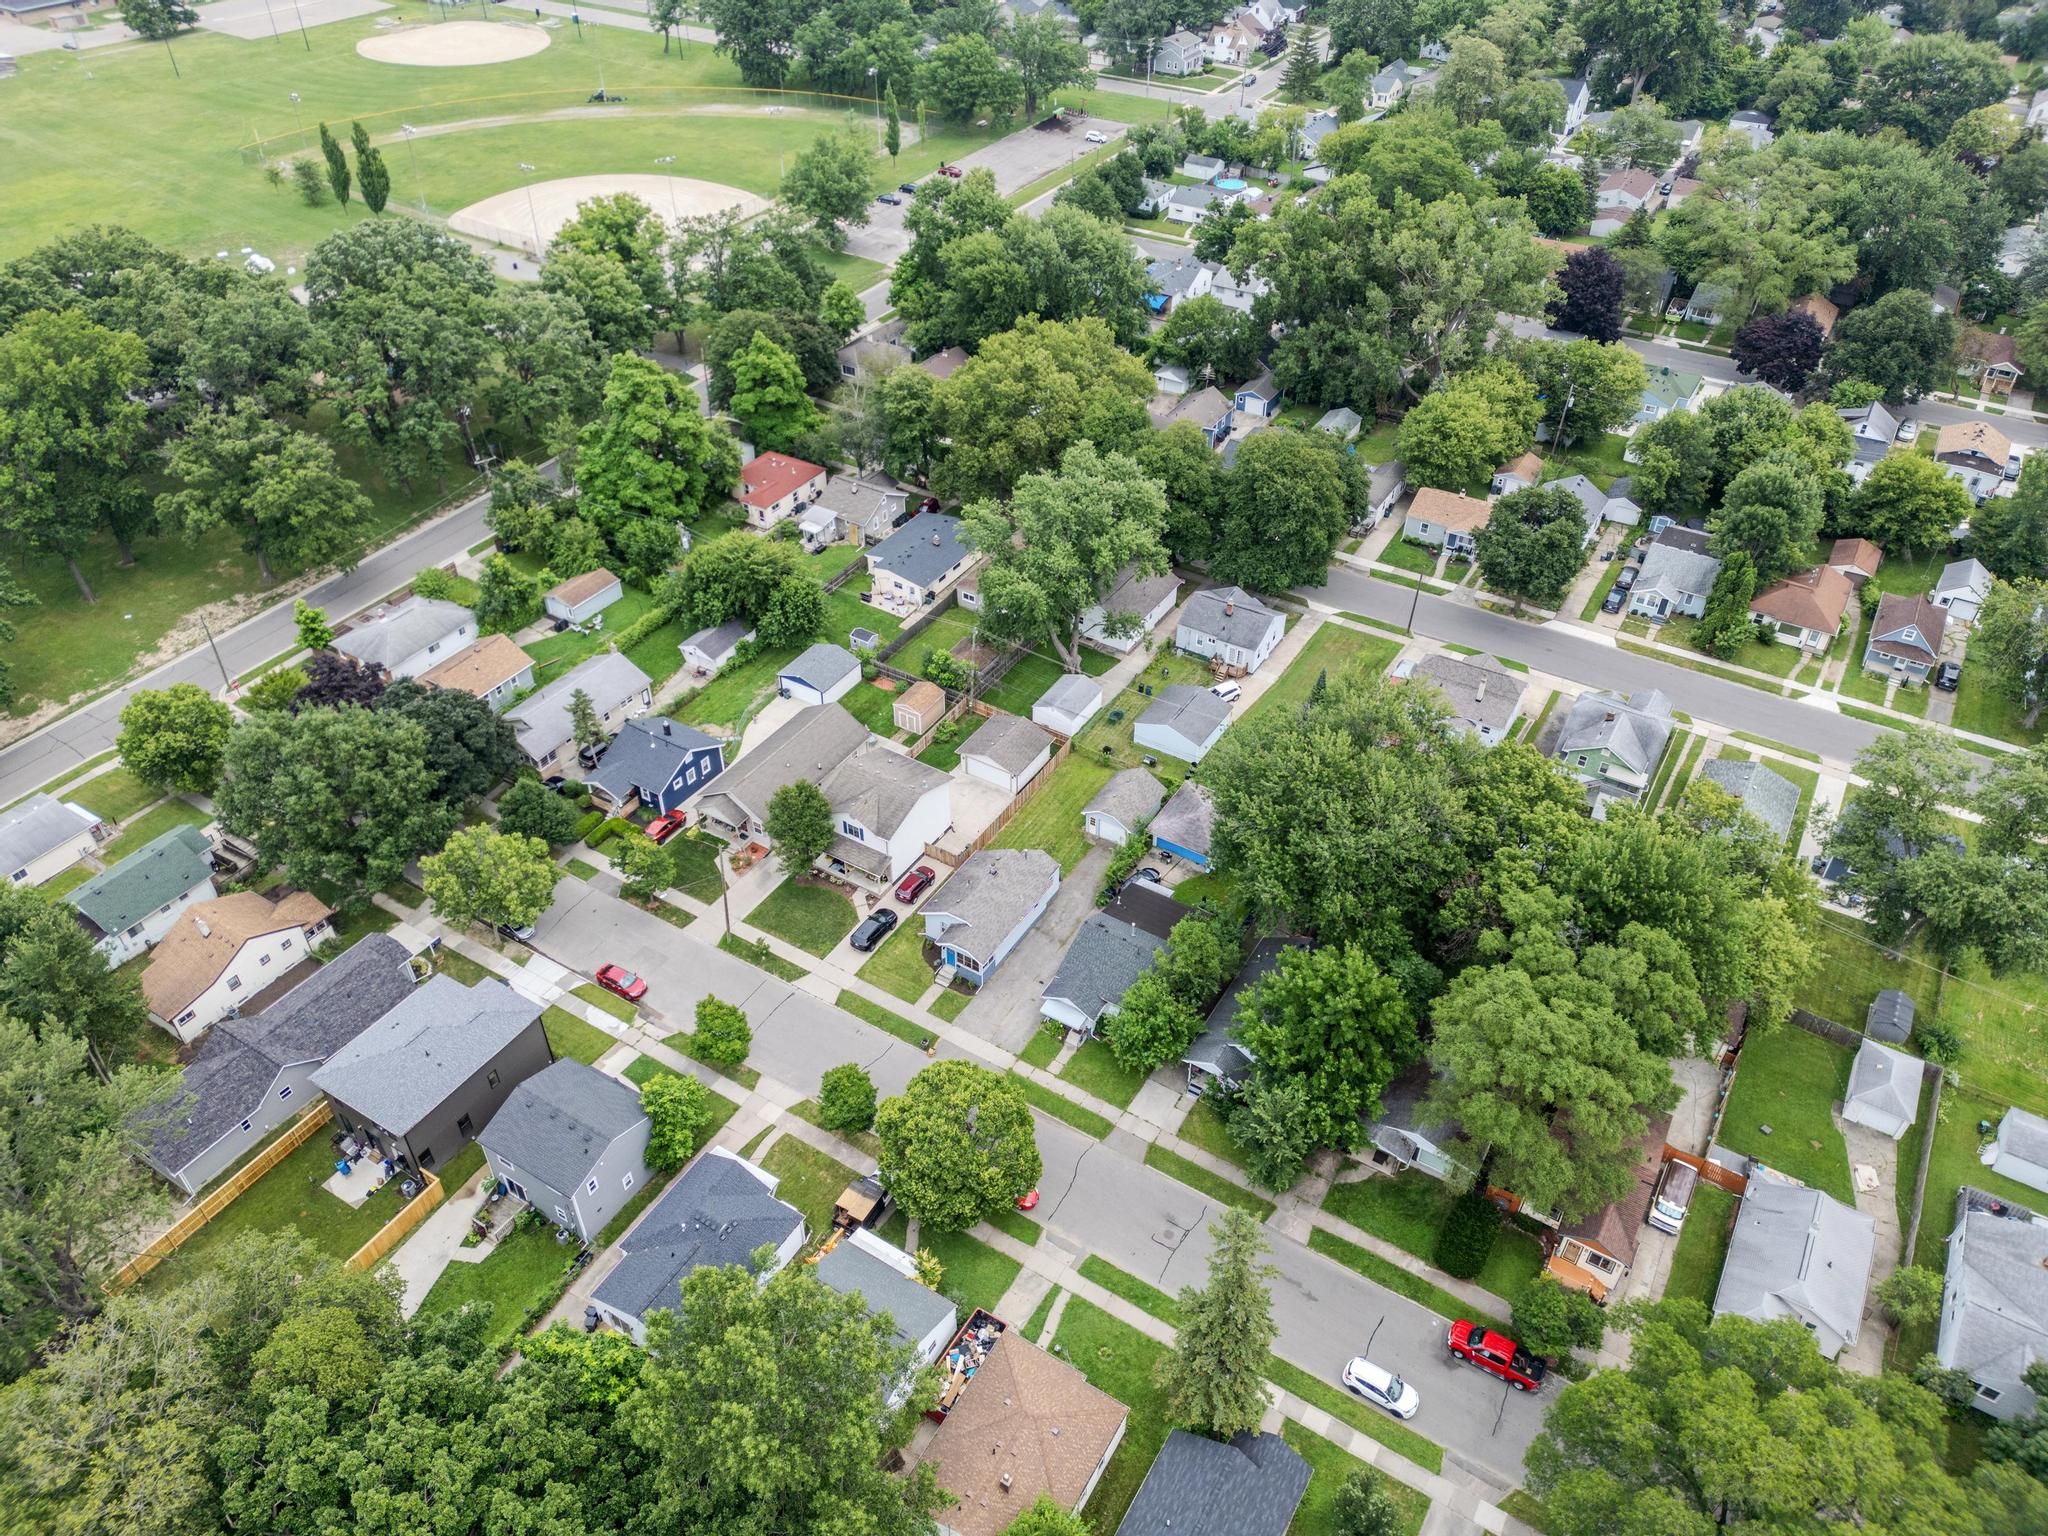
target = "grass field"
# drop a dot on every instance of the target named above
(1852, 968)
(812, 917)
(573, 1038)
(1790, 1080)
(1403, 555)
(972, 1273)
(526, 1268)
(1051, 819)
(114, 795)
(1213, 1185)
(1060, 1107)
(290, 1196)
(1702, 1245)
(883, 1019)
(1330, 649)
(150, 826)
(1393, 1277)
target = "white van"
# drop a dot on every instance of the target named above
(1228, 692)
(1673, 1197)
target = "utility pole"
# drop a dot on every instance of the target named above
(530, 212)
(675, 213)
(226, 682)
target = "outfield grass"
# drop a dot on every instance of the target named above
(811, 1181)
(812, 916)
(1330, 650)
(1051, 819)
(1790, 1080)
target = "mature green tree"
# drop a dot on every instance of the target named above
(840, 308)
(1911, 1294)
(768, 397)
(1062, 543)
(482, 875)
(530, 809)
(1209, 339)
(1215, 1379)
(373, 177)
(254, 342)
(1048, 55)
(1908, 503)
(722, 1036)
(795, 611)
(892, 125)
(52, 979)
(1046, 1518)
(341, 797)
(1186, 467)
(314, 632)
(1385, 29)
(1732, 1420)
(70, 418)
(2010, 533)
(1926, 84)
(1772, 513)
(730, 579)
(12, 595)
(1287, 501)
(1591, 287)
(1153, 1023)
(1674, 466)
(278, 487)
(156, 21)
(1533, 545)
(967, 80)
(507, 598)
(957, 1145)
(472, 748)
(584, 724)
(678, 1110)
(1332, 1018)
(1269, 1123)
(1726, 626)
(174, 738)
(830, 182)
(1364, 1507)
(1912, 776)
(611, 304)
(759, 1405)
(1551, 1320)
(645, 868)
(651, 453)
(759, 38)
(524, 505)
(846, 1099)
(801, 822)
(1897, 343)
(1302, 80)
(666, 17)
(2009, 640)
(1588, 387)
(338, 177)
(1453, 437)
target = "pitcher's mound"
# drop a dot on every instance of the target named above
(443, 44)
(518, 217)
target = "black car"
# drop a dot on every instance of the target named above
(910, 187)
(890, 198)
(1947, 675)
(1627, 578)
(875, 929)
(591, 754)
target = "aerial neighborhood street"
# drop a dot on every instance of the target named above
(1128, 768)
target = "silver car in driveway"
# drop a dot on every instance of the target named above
(1382, 1388)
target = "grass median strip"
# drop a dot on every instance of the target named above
(684, 1041)
(610, 1002)
(884, 1020)
(1398, 1280)
(1141, 1294)
(1775, 746)
(759, 954)
(1330, 1467)
(1040, 1097)
(1195, 1176)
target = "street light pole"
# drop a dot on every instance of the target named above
(299, 11)
(530, 213)
(300, 117)
(413, 159)
(875, 75)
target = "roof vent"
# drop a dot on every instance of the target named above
(1229, 607)
(935, 540)
(1005, 1481)
(204, 931)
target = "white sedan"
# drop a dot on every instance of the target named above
(1908, 430)
(1382, 1388)
(1096, 136)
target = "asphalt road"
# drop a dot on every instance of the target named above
(1560, 650)
(90, 730)
(1099, 1196)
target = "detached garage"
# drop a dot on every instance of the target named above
(821, 675)
(1006, 752)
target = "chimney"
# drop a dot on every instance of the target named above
(667, 729)
(1229, 606)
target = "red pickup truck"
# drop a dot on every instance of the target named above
(1498, 1354)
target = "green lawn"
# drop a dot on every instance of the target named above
(944, 751)
(1051, 819)
(527, 1267)
(1040, 1050)
(811, 1181)
(973, 1274)
(1123, 1362)
(1403, 554)
(1999, 1018)
(845, 612)
(757, 953)
(1142, 1294)
(873, 707)
(1703, 1245)
(807, 1110)
(1093, 1070)
(290, 1196)
(150, 826)
(1953, 1163)
(574, 1038)
(455, 963)
(1205, 1127)
(1035, 1324)
(67, 882)
(114, 795)
(1601, 588)
(582, 869)
(1852, 969)
(1409, 1209)
(610, 1002)
(1346, 1409)
(1015, 1224)
(558, 653)
(943, 631)
(1214, 1186)
(1398, 1280)
(728, 697)
(811, 915)
(883, 1019)
(950, 1004)
(1981, 708)
(659, 653)
(1330, 650)
(1330, 1467)
(1789, 1080)
(1108, 741)
(1601, 462)
(1218, 891)
(1060, 1107)
(898, 967)
(1759, 654)
(695, 861)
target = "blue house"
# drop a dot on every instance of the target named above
(978, 916)
(657, 760)
(1182, 826)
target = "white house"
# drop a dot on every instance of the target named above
(219, 954)
(1884, 1090)
(41, 837)
(776, 486)
(1171, 283)
(1006, 752)
(408, 638)
(1385, 485)
(1068, 704)
(1678, 574)
(1994, 1301)
(1135, 605)
(1191, 205)
(1753, 126)
(1228, 624)
(1204, 168)
(709, 649)
(1621, 194)
(918, 563)
(1121, 806)
(581, 598)
(2020, 1152)
(1798, 1253)
(979, 915)
(1578, 101)
(1445, 519)
(1962, 588)
(129, 907)
(1236, 293)
(885, 1277)
(1182, 722)
(545, 723)
(823, 673)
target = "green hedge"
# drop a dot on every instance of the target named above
(587, 824)
(609, 830)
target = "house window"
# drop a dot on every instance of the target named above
(690, 774)
(492, 1080)
(18, 876)
(133, 931)
(591, 1185)
(186, 1016)
(852, 830)
(262, 960)
(245, 1125)
(427, 1160)
(285, 1092)
(561, 1217)
(465, 1125)
(1989, 1394)
(287, 944)
(626, 1182)
(234, 983)
(1580, 760)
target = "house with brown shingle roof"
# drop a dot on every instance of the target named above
(1975, 452)
(1905, 637)
(582, 598)
(1022, 1425)
(1446, 519)
(1595, 1255)
(221, 953)
(1517, 475)
(1822, 311)
(494, 670)
(1805, 609)
(1857, 559)
(1991, 358)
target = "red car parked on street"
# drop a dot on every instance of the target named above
(667, 825)
(1498, 1354)
(616, 978)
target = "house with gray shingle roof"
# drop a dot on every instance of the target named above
(1134, 605)
(1678, 575)
(1484, 696)
(1121, 807)
(709, 649)
(1994, 1301)
(129, 907)
(1884, 1089)
(918, 562)
(2021, 1149)
(544, 723)
(1068, 704)
(253, 1073)
(1183, 830)
(1612, 745)
(979, 915)
(42, 837)
(426, 1077)
(1098, 968)
(408, 638)
(571, 1142)
(719, 1211)
(1006, 751)
(1182, 722)
(1248, 1485)
(824, 672)
(1216, 1058)
(883, 1275)
(1770, 797)
(1231, 625)
(1798, 1253)
(658, 761)
(1341, 422)
(1889, 1017)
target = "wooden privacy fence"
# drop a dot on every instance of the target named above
(1712, 1173)
(394, 1231)
(989, 833)
(218, 1199)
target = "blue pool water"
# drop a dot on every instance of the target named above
(1230, 184)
